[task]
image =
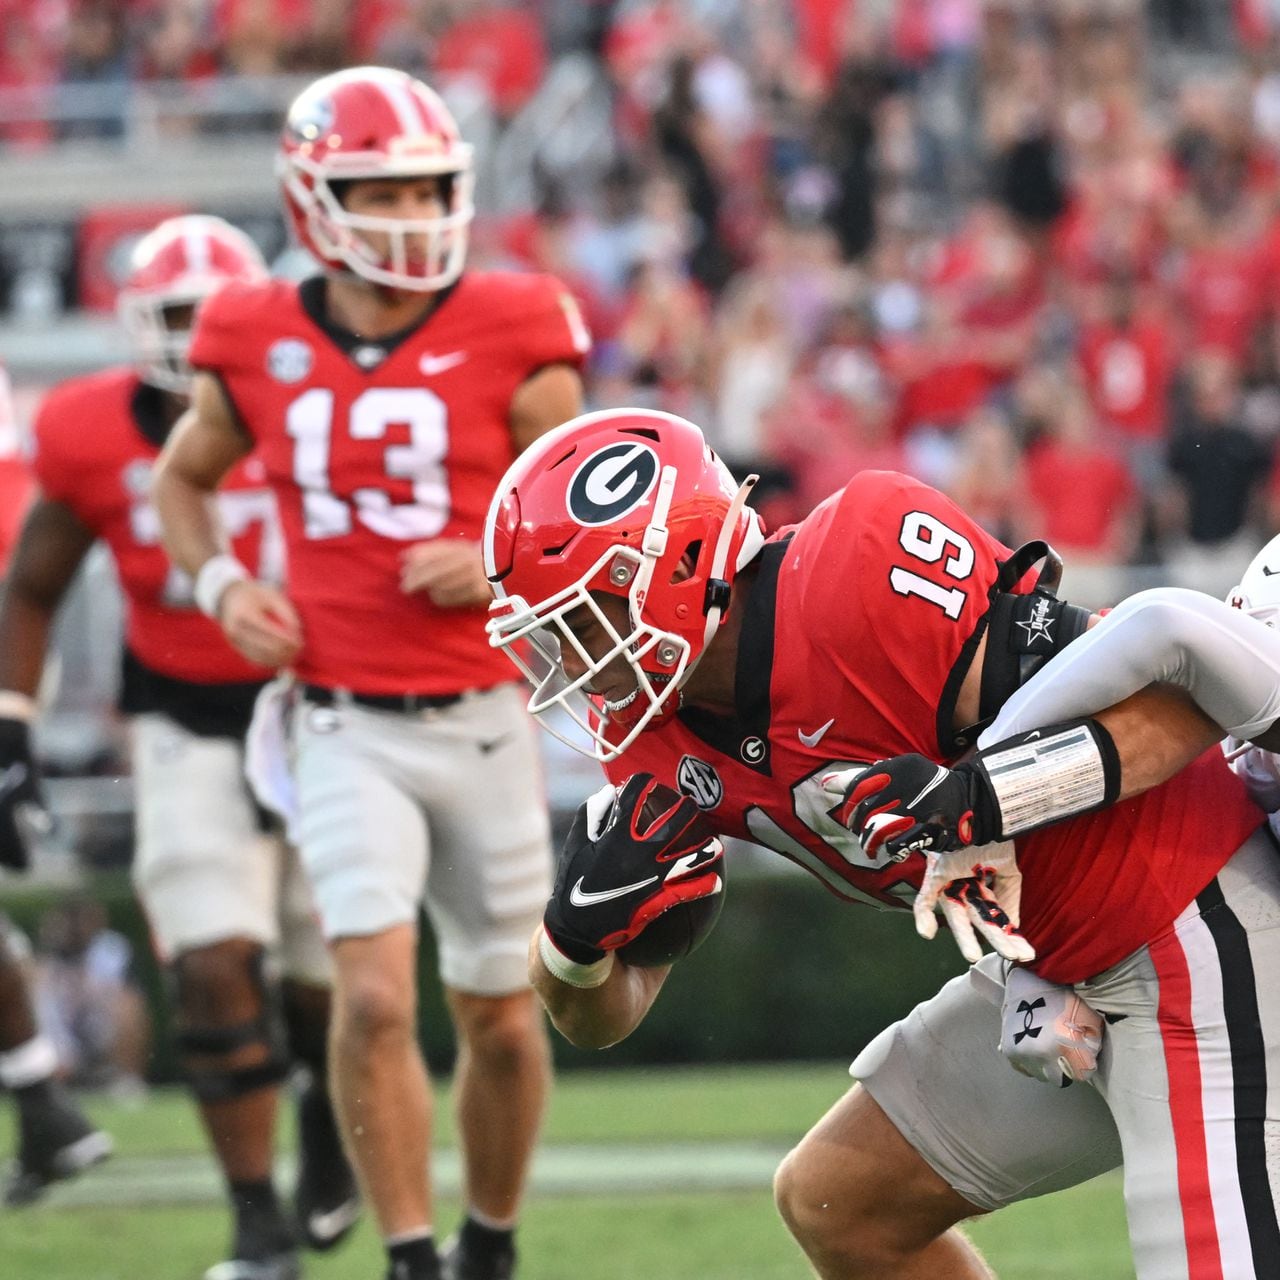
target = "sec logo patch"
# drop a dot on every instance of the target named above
(700, 782)
(289, 360)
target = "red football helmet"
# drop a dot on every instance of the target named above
(372, 122)
(173, 269)
(631, 503)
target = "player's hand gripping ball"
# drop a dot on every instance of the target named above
(641, 874)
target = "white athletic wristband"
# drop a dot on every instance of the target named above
(16, 706)
(215, 576)
(1049, 775)
(568, 971)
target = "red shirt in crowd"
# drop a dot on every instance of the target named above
(1127, 369)
(1082, 494)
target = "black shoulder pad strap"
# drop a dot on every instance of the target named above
(1023, 634)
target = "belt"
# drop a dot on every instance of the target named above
(406, 703)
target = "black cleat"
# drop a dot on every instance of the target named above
(55, 1141)
(456, 1263)
(327, 1197)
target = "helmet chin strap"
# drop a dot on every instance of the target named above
(715, 613)
(654, 543)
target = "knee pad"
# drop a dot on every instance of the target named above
(211, 1052)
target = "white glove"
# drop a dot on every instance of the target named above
(1048, 1032)
(979, 890)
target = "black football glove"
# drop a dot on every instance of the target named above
(619, 870)
(1028, 781)
(910, 803)
(22, 805)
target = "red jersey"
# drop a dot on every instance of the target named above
(97, 439)
(1084, 495)
(373, 446)
(851, 651)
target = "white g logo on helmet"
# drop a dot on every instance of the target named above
(1259, 591)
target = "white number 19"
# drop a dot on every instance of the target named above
(928, 539)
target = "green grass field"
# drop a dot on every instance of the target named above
(643, 1176)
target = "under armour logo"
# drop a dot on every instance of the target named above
(1028, 1011)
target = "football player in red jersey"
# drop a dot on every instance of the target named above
(385, 399)
(230, 913)
(55, 1139)
(746, 672)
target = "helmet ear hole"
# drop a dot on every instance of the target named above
(687, 565)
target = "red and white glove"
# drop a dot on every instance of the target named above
(979, 891)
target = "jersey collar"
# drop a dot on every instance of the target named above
(312, 297)
(745, 736)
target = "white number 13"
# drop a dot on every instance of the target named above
(926, 538)
(309, 423)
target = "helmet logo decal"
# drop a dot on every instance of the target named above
(611, 482)
(700, 782)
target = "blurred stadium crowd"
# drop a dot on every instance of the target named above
(1027, 251)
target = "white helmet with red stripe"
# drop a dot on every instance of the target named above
(373, 122)
(172, 270)
(1258, 592)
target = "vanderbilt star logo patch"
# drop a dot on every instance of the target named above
(1039, 626)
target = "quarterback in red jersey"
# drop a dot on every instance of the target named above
(385, 398)
(222, 890)
(885, 623)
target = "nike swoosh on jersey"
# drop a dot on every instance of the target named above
(812, 739)
(581, 897)
(431, 365)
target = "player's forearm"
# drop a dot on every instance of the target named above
(50, 549)
(25, 624)
(596, 1017)
(1156, 733)
(192, 529)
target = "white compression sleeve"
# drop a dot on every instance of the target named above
(1228, 662)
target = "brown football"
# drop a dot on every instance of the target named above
(680, 929)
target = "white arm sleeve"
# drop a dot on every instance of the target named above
(1227, 661)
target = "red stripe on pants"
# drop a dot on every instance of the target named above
(1186, 1110)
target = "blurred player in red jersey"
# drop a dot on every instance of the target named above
(385, 399)
(228, 905)
(748, 673)
(55, 1139)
